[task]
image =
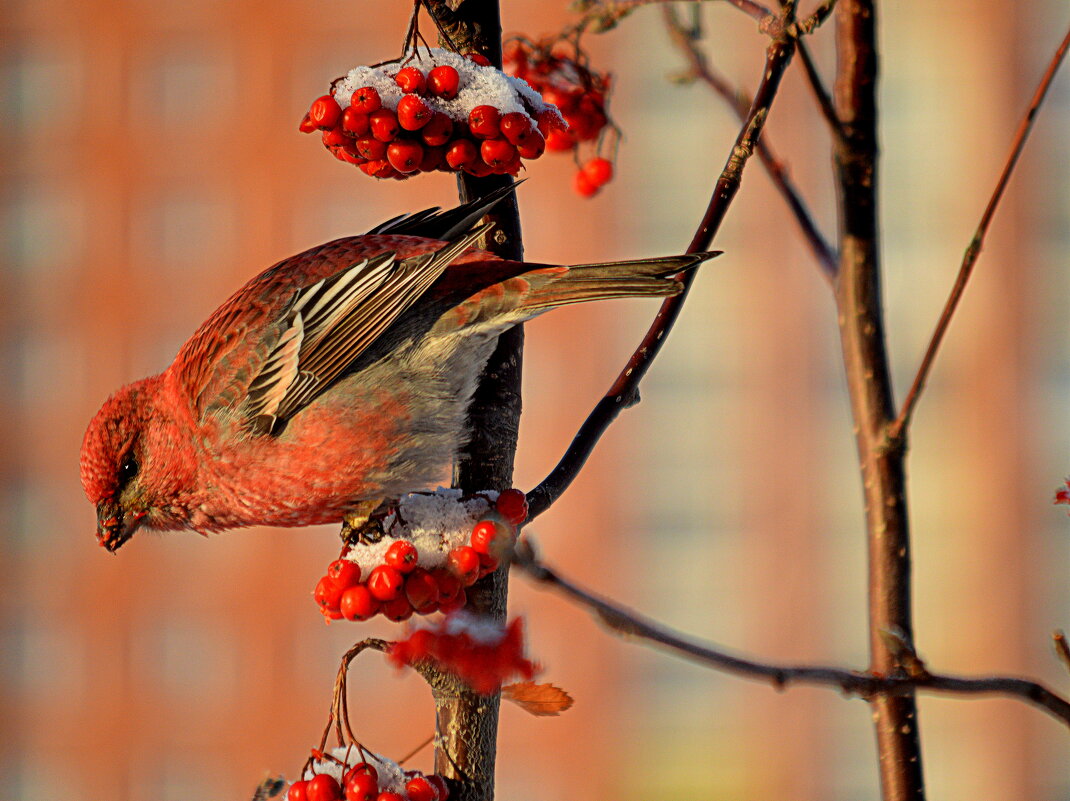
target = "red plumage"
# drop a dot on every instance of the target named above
(338, 378)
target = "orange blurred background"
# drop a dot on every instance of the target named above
(151, 164)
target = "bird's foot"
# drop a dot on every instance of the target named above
(365, 524)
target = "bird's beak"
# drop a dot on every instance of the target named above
(114, 525)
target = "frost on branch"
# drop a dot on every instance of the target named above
(480, 651)
(432, 110)
(435, 546)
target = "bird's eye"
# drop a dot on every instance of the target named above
(128, 468)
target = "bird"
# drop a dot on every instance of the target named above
(332, 382)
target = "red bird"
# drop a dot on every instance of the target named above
(338, 378)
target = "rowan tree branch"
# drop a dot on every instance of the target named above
(686, 40)
(466, 722)
(911, 674)
(973, 250)
(821, 95)
(869, 384)
(623, 392)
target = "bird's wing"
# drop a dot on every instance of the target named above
(330, 323)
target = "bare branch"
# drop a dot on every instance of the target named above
(865, 685)
(685, 40)
(824, 101)
(973, 250)
(623, 392)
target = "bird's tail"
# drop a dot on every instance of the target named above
(616, 279)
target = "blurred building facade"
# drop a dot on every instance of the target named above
(150, 164)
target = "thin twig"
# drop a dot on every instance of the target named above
(817, 86)
(865, 685)
(430, 739)
(809, 24)
(895, 431)
(752, 9)
(737, 100)
(623, 392)
(339, 713)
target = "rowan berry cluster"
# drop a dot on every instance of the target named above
(439, 112)
(373, 779)
(422, 573)
(482, 652)
(559, 71)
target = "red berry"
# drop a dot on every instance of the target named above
(478, 58)
(564, 100)
(516, 127)
(362, 787)
(483, 122)
(444, 82)
(325, 112)
(411, 80)
(378, 168)
(397, 610)
(583, 185)
(405, 156)
(438, 130)
(420, 789)
(370, 148)
(434, 158)
(413, 113)
(328, 594)
(422, 590)
(448, 584)
(532, 147)
(558, 140)
(478, 168)
(361, 768)
(389, 797)
(366, 100)
(455, 603)
(307, 125)
(357, 603)
(323, 787)
(298, 791)
(343, 572)
(355, 123)
(584, 126)
(402, 556)
(333, 137)
(497, 152)
(599, 171)
(385, 582)
(485, 537)
(384, 125)
(460, 153)
(463, 562)
(439, 784)
(513, 504)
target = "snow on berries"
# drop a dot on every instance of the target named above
(356, 774)
(435, 546)
(434, 110)
(558, 69)
(482, 652)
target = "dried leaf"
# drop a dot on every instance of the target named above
(538, 699)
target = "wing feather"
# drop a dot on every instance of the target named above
(330, 323)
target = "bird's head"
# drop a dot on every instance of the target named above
(128, 464)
